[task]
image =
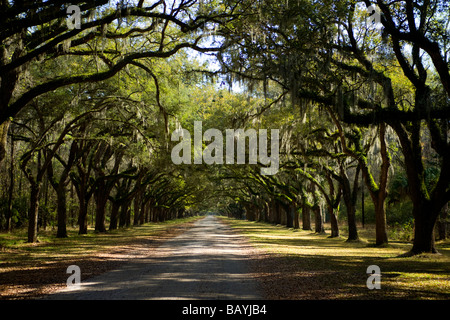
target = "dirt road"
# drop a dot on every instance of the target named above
(208, 261)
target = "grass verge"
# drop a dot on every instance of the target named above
(298, 264)
(32, 270)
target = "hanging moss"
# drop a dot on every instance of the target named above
(371, 181)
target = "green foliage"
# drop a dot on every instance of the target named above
(399, 213)
(402, 232)
(19, 215)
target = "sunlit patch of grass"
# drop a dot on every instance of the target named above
(425, 276)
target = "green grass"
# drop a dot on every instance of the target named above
(335, 269)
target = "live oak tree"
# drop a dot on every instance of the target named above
(318, 147)
(290, 44)
(412, 24)
(37, 32)
(330, 55)
(59, 182)
(414, 35)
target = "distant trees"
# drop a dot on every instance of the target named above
(36, 34)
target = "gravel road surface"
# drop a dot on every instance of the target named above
(208, 261)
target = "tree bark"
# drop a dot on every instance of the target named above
(350, 201)
(306, 217)
(426, 206)
(61, 211)
(425, 215)
(154, 214)
(137, 208)
(83, 199)
(33, 213)
(101, 200)
(83, 218)
(11, 188)
(318, 219)
(147, 212)
(249, 212)
(442, 223)
(296, 217)
(4, 128)
(114, 215)
(124, 219)
(334, 222)
(61, 191)
(143, 211)
(380, 221)
(351, 219)
(265, 212)
(289, 215)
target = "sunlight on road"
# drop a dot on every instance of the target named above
(207, 261)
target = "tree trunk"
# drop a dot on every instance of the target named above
(296, 217)
(114, 215)
(11, 189)
(306, 217)
(154, 214)
(378, 197)
(350, 202)
(142, 212)
(35, 188)
(289, 215)
(128, 215)
(249, 212)
(150, 211)
(137, 208)
(442, 223)
(83, 218)
(425, 215)
(160, 212)
(380, 211)
(4, 127)
(147, 212)
(277, 212)
(272, 211)
(351, 215)
(318, 219)
(351, 220)
(380, 222)
(334, 222)
(83, 199)
(61, 211)
(257, 213)
(101, 200)
(265, 212)
(425, 211)
(33, 213)
(124, 219)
